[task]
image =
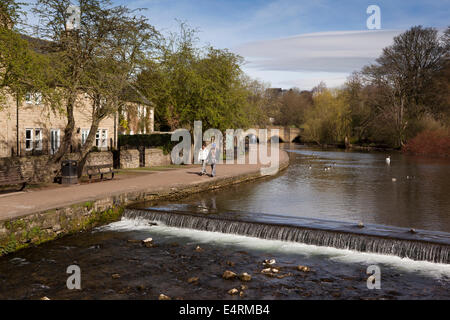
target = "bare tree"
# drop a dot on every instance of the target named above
(403, 74)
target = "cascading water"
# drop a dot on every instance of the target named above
(425, 245)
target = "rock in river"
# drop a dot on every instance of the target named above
(268, 262)
(193, 279)
(233, 291)
(148, 242)
(304, 268)
(245, 277)
(228, 275)
(164, 297)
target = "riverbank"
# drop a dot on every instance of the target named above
(38, 216)
(353, 147)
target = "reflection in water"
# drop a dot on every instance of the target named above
(410, 192)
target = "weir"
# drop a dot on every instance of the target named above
(421, 245)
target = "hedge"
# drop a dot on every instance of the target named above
(148, 141)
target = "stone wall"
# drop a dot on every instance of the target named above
(35, 169)
(41, 227)
(155, 157)
(94, 159)
(129, 159)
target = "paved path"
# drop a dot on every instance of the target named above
(32, 201)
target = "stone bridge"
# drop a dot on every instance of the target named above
(285, 134)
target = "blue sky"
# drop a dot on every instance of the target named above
(296, 42)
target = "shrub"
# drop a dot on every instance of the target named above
(162, 141)
(430, 142)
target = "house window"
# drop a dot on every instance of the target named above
(84, 136)
(29, 98)
(33, 98)
(54, 140)
(37, 98)
(28, 139)
(38, 139)
(101, 138)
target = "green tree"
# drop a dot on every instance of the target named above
(22, 68)
(328, 121)
(100, 57)
(10, 12)
(110, 77)
(189, 83)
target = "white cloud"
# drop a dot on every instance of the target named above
(307, 59)
(340, 51)
(303, 80)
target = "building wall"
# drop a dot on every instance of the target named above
(139, 119)
(39, 116)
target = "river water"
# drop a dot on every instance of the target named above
(343, 186)
(411, 192)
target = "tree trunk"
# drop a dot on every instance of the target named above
(55, 160)
(86, 148)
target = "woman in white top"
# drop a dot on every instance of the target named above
(202, 156)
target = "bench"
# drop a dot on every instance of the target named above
(100, 170)
(12, 176)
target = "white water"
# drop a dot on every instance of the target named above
(425, 268)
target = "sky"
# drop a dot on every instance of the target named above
(296, 43)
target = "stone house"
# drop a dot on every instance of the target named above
(137, 118)
(32, 128)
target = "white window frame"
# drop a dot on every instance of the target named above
(55, 144)
(37, 139)
(84, 135)
(101, 138)
(104, 138)
(29, 98)
(97, 139)
(30, 139)
(33, 98)
(37, 98)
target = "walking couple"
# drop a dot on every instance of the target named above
(208, 155)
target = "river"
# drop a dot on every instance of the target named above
(411, 192)
(344, 186)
